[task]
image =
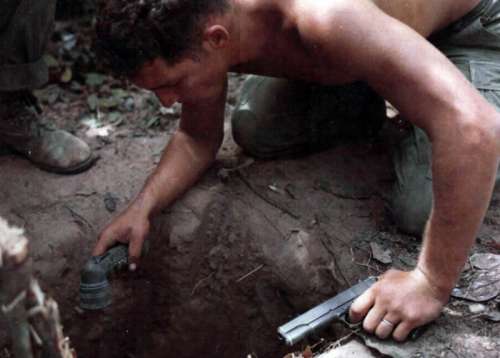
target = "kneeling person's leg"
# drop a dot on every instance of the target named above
(278, 117)
(411, 200)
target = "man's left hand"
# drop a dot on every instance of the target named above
(399, 302)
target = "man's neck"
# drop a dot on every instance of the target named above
(246, 29)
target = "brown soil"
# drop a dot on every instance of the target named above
(303, 226)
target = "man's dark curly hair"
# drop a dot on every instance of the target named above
(132, 32)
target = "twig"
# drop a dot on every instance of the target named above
(250, 273)
(78, 218)
(199, 283)
(44, 316)
(14, 278)
(9, 307)
(29, 314)
(265, 198)
(269, 221)
(367, 265)
(339, 342)
(349, 196)
(470, 264)
(452, 351)
(332, 253)
(36, 337)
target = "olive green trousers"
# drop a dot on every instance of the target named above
(25, 28)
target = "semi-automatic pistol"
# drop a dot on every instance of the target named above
(320, 316)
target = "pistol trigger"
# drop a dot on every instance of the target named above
(345, 319)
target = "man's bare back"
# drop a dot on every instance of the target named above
(273, 33)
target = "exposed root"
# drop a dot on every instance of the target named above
(33, 319)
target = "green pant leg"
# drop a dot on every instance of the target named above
(279, 117)
(475, 49)
(411, 199)
(25, 27)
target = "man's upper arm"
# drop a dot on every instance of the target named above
(204, 121)
(399, 64)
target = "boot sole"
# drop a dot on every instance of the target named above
(77, 169)
(6, 150)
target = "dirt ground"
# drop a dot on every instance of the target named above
(251, 245)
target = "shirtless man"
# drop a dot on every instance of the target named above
(182, 50)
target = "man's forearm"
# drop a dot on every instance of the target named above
(189, 153)
(182, 164)
(463, 178)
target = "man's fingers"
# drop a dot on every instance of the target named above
(134, 252)
(386, 326)
(373, 318)
(106, 240)
(402, 331)
(361, 306)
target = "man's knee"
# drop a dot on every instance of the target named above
(268, 121)
(412, 193)
(245, 126)
(411, 211)
(244, 121)
(277, 117)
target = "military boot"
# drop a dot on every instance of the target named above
(23, 130)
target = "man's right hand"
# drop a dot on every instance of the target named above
(130, 227)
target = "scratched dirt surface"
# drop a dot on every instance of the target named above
(251, 245)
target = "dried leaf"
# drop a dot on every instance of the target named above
(67, 75)
(351, 349)
(481, 286)
(485, 261)
(379, 254)
(492, 316)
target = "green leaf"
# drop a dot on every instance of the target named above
(153, 122)
(119, 93)
(109, 102)
(116, 118)
(92, 102)
(50, 61)
(94, 79)
(67, 75)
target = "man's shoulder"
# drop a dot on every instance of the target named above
(320, 20)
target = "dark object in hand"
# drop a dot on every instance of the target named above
(95, 290)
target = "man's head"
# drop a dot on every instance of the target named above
(133, 32)
(176, 48)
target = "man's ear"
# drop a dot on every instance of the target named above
(216, 36)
